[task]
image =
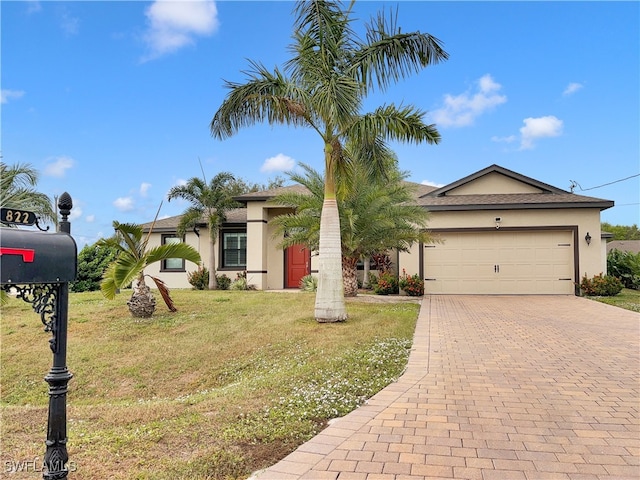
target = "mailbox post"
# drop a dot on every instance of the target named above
(38, 267)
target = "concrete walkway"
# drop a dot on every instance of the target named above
(497, 387)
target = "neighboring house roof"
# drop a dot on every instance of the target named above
(632, 246)
(541, 195)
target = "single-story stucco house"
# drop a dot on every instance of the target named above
(496, 232)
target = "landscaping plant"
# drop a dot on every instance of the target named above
(133, 257)
(93, 260)
(223, 282)
(412, 285)
(387, 284)
(601, 285)
(309, 283)
(625, 266)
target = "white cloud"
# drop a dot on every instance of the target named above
(33, 6)
(90, 218)
(175, 24)
(70, 25)
(124, 204)
(144, 189)
(509, 139)
(76, 213)
(462, 110)
(279, 163)
(572, 88)
(57, 167)
(6, 95)
(432, 184)
(541, 127)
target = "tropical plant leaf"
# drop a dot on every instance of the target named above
(108, 284)
(164, 292)
(172, 250)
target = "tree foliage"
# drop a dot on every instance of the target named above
(210, 202)
(323, 87)
(93, 261)
(625, 266)
(622, 232)
(374, 216)
(18, 190)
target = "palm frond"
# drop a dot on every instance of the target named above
(390, 55)
(126, 270)
(17, 190)
(403, 123)
(189, 219)
(262, 98)
(131, 235)
(108, 284)
(144, 244)
(164, 292)
(172, 250)
(192, 191)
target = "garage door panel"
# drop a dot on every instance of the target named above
(508, 262)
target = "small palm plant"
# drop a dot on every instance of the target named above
(133, 257)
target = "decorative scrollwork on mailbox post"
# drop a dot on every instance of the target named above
(37, 267)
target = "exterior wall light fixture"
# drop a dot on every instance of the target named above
(587, 238)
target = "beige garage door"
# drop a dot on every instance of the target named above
(501, 262)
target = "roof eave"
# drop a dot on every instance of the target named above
(546, 188)
(518, 206)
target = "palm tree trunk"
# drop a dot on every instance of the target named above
(142, 304)
(365, 274)
(330, 304)
(213, 284)
(350, 276)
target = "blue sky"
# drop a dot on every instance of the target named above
(111, 101)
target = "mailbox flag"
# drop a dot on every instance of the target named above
(27, 254)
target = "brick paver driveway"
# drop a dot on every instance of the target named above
(497, 387)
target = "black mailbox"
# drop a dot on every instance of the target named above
(35, 257)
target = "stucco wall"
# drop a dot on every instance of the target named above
(590, 257)
(493, 183)
(177, 279)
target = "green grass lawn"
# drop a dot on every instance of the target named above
(229, 384)
(627, 299)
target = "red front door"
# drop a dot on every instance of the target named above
(297, 265)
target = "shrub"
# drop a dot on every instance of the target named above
(373, 280)
(309, 283)
(625, 266)
(240, 283)
(223, 282)
(382, 261)
(413, 285)
(601, 286)
(199, 278)
(387, 284)
(93, 260)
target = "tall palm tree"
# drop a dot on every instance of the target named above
(132, 258)
(373, 217)
(17, 190)
(211, 200)
(323, 87)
